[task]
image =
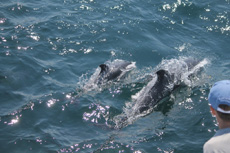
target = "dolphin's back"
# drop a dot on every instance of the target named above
(117, 70)
(167, 81)
(157, 92)
(113, 71)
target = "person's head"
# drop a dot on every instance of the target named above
(219, 99)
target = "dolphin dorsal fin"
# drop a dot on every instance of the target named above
(104, 68)
(161, 74)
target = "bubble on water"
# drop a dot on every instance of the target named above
(13, 121)
(98, 114)
(2, 20)
(51, 102)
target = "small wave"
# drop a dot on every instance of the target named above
(185, 8)
(109, 145)
(220, 24)
(97, 114)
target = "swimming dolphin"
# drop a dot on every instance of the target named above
(170, 76)
(157, 92)
(115, 71)
(165, 83)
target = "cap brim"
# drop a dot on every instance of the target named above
(223, 111)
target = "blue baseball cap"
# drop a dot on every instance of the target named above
(220, 94)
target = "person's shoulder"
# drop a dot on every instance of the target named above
(210, 143)
(217, 143)
(210, 146)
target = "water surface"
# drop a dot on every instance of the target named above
(49, 49)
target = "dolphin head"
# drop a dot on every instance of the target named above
(191, 62)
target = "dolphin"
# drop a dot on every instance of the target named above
(115, 71)
(171, 75)
(157, 92)
(166, 81)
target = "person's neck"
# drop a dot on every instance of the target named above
(222, 124)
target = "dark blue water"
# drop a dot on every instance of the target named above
(49, 49)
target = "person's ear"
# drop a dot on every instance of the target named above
(213, 111)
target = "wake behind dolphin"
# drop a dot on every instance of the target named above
(170, 74)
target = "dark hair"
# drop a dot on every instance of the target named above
(225, 117)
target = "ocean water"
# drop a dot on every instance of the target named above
(50, 49)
